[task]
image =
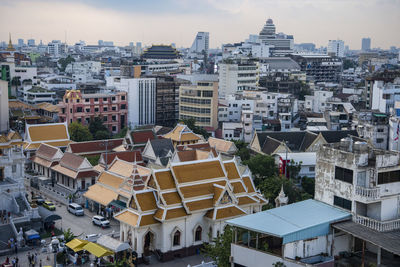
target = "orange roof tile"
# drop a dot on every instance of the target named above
(159, 214)
(245, 200)
(200, 204)
(198, 171)
(128, 218)
(47, 132)
(238, 187)
(199, 189)
(146, 201)
(147, 220)
(175, 213)
(231, 170)
(229, 212)
(110, 180)
(165, 180)
(172, 198)
(249, 184)
(101, 194)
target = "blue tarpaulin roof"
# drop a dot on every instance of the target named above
(298, 221)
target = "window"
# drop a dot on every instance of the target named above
(197, 235)
(87, 110)
(114, 118)
(105, 109)
(105, 99)
(177, 238)
(114, 128)
(342, 202)
(113, 98)
(380, 130)
(66, 100)
(96, 109)
(14, 168)
(344, 175)
(388, 177)
(207, 93)
(63, 110)
(379, 140)
(79, 109)
(105, 118)
(247, 115)
(77, 101)
(122, 97)
(70, 110)
(114, 108)
(311, 169)
(87, 100)
(123, 106)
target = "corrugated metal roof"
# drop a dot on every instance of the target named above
(298, 221)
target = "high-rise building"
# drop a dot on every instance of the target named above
(366, 44)
(56, 48)
(281, 44)
(234, 77)
(31, 42)
(138, 48)
(336, 48)
(21, 42)
(200, 44)
(200, 102)
(141, 98)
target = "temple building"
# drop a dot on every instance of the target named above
(186, 204)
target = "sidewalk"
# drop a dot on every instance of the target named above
(47, 259)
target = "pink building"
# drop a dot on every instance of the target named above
(112, 108)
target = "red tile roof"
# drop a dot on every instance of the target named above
(99, 146)
(87, 174)
(128, 156)
(141, 137)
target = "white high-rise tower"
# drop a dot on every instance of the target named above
(200, 43)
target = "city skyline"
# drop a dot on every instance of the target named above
(178, 21)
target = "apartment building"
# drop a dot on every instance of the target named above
(112, 108)
(236, 77)
(200, 102)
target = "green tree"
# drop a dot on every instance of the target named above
(308, 185)
(191, 123)
(262, 167)
(118, 263)
(293, 169)
(63, 62)
(94, 160)
(242, 150)
(270, 188)
(121, 134)
(279, 264)
(98, 129)
(220, 249)
(68, 235)
(79, 132)
(348, 63)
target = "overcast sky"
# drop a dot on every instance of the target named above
(178, 21)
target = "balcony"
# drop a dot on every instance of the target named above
(380, 226)
(367, 194)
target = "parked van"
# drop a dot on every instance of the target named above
(75, 209)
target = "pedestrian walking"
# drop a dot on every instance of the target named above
(16, 261)
(40, 263)
(16, 248)
(29, 258)
(13, 262)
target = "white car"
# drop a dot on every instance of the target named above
(92, 237)
(75, 209)
(100, 221)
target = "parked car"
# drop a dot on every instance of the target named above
(38, 200)
(75, 209)
(49, 205)
(92, 237)
(100, 221)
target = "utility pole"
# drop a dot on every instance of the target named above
(286, 160)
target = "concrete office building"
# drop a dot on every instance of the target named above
(234, 77)
(366, 44)
(336, 48)
(141, 98)
(280, 44)
(200, 102)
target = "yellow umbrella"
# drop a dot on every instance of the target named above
(76, 244)
(97, 250)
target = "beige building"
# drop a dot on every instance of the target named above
(3, 106)
(200, 102)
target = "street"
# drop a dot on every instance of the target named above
(82, 225)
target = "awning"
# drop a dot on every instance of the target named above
(48, 216)
(32, 234)
(76, 244)
(97, 250)
(112, 244)
(119, 204)
(100, 194)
